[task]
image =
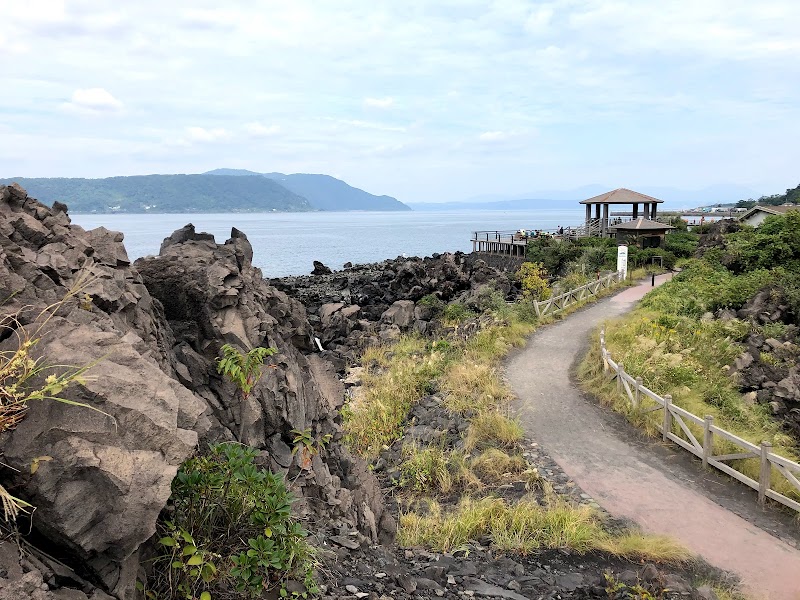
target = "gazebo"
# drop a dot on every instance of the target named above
(618, 196)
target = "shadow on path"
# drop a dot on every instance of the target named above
(641, 480)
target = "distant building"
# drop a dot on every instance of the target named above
(756, 215)
(641, 232)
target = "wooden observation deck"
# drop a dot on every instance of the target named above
(514, 243)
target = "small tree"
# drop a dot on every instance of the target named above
(533, 278)
(244, 370)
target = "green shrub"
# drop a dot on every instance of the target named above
(553, 255)
(230, 528)
(456, 312)
(775, 242)
(533, 278)
(433, 302)
(682, 244)
(643, 257)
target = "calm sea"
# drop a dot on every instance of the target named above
(287, 243)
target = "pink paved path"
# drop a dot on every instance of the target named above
(598, 456)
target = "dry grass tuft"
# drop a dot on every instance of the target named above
(473, 387)
(493, 465)
(635, 545)
(526, 526)
(492, 428)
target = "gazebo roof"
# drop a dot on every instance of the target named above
(642, 224)
(622, 196)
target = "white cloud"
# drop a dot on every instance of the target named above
(494, 136)
(93, 101)
(358, 123)
(398, 87)
(258, 130)
(201, 134)
(539, 20)
(379, 102)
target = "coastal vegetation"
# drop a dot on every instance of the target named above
(684, 337)
(450, 493)
(230, 526)
(577, 261)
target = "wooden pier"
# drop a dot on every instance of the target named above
(514, 243)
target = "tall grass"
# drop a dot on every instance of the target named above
(394, 378)
(526, 526)
(675, 351)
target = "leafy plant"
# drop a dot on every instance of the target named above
(230, 528)
(433, 302)
(243, 370)
(533, 278)
(456, 312)
(308, 447)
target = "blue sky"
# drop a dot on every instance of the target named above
(424, 101)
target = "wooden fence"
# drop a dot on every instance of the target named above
(562, 301)
(675, 426)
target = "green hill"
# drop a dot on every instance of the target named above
(324, 192)
(165, 194)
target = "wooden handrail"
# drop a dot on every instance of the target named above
(770, 464)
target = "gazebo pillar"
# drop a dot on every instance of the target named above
(588, 215)
(653, 212)
(635, 210)
(646, 210)
(604, 222)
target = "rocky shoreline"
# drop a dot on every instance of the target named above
(152, 331)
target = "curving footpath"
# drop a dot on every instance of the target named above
(631, 478)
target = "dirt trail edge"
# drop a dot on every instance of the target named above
(622, 474)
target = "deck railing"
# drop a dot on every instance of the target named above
(676, 426)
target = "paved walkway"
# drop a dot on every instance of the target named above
(630, 478)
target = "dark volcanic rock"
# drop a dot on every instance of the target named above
(152, 332)
(213, 295)
(109, 473)
(380, 301)
(320, 269)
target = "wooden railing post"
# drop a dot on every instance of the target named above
(637, 393)
(708, 439)
(765, 473)
(667, 426)
(620, 371)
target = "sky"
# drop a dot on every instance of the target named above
(424, 101)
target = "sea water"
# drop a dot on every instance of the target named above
(288, 243)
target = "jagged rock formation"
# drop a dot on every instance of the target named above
(152, 332)
(767, 371)
(374, 303)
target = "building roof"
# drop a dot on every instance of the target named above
(642, 224)
(772, 210)
(621, 196)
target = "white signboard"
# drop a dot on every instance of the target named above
(622, 261)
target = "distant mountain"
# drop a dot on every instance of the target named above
(523, 204)
(165, 194)
(558, 199)
(323, 191)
